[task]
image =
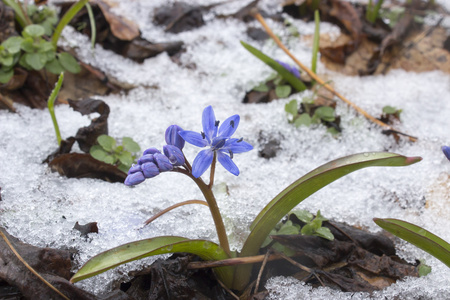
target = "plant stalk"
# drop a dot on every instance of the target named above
(51, 106)
(68, 16)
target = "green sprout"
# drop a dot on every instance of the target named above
(316, 40)
(51, 106)
(372, 10)
(123, 156)
(391, 110)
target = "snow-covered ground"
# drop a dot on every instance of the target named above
(41, 207)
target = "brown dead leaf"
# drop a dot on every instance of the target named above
(121, 27)
(346, 13)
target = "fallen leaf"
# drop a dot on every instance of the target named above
(121, 27)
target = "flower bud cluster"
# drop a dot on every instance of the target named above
(153, 162)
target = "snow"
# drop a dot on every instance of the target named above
(41, 207)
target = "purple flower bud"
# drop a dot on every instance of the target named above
(162, 162)
(293, 70)
(134, 178)
(150, 170)
(151, 151)
(173, 138)
(134, 169)
(446, 150)
(146, 158)
(174, 154)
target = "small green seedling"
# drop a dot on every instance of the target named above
(372, 10)
(123, 156)
(313, 226)
(306, 118)
(393, 111)
(44, 16)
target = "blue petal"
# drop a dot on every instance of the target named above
(146, 158)
(162, 162)
(209, 122)
(134, 169)
(235, 146)
(229, 126)
(151, 151)
(194, 138)
(134, 179)
(202, 162)
(173, 138)
(228, 163)
(446, 150)
(174, 154)
(149, 170)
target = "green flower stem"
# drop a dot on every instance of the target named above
(68, 16)
(93, 27)
(51, 106)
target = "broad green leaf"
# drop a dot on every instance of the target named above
(53, 66)
(108, 143)
(7, 60)
(303, 119)
(417, 236)
(325, 113)
(125, 158)
(294, 81)
(288, 229)
(34, 30)
(130, 145)
(35, 60)
(308, 229)
(12, 44)
(109, 159)
(6, 76)
(303, 188)
(159, 245)
(325, 233)
(45, 46)
(390, 110)
(261, 88)
(283, 91)
(98, 152)
(27, 45)
(303, 215)
(292, 107)
(69, 62)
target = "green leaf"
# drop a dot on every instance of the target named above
(108, 143)
(303, 119)
(282, 248)
(7, 61)
(69, 62)
(303, 188)
(308, 229)
(390, 110)
(325, 113)
(417, 236)
(288, 229)
(303, 215)
(294, 81)
(126, 158)
(34, 30)
(283, 91)
(325, 233)
(291, 107)
(6, 76)
(123, 168)
(109, 159)
(261, 88)
(53, 66)
(27, 45)
(98, 152)
(320, 217)
(45, 46)
(268, 239)
(35, 60)
(130, 145)
(159, 245)
(423, 269)
(12, 44)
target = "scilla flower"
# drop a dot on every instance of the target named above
(293, 70)
(217, 140)
(446, 150)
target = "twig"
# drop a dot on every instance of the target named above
(231, 261)
(227, 289)
(302, 267)
(29, 267)
(319, 80)
(266, 257)
(172, 207)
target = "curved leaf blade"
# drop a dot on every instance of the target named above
(417, 236)
(114, 257)
(303, 188)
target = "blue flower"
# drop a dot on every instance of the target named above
(218, 141)
(446, 150)
(173, 138)
(294, 71)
